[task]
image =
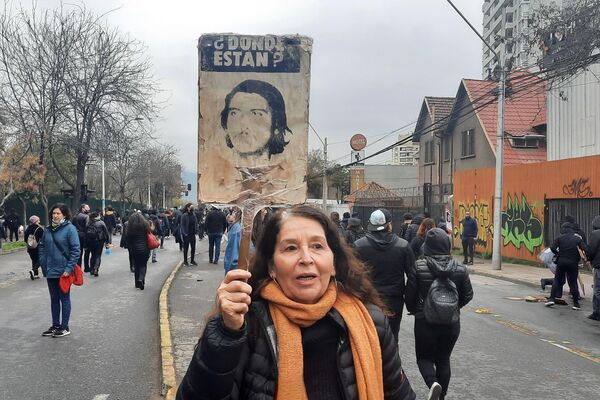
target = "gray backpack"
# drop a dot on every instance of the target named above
(441, 305)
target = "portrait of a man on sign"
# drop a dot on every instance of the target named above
(253, 125)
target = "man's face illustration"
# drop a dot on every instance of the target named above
(248, 122)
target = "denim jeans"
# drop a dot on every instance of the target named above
(59, 301)
(214, 246)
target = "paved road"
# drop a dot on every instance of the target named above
(516, 351)
(113, 351)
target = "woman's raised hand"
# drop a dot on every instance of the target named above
(233, 298)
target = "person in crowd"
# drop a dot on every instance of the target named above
(110, 220)
(469, 234)
(593, 254)
(135, 240)
(216, 224)
(232, 251)
(413, 227)
(354, 231)
(407, 218)
(123, 244)
(345, 218)
(168, 221)
(176, 228)
(164, 227)
(58, 253)
(13, 222)
(96, 238)
(157, 230)
(335, 217)
(434, 342)
(569, 219)
(307, 289)
(201, 227)
(419, 239)
(259, 222)
(443, 225)
(566, 247)
(388, 257)
(188, 229)
(81, 222)
(32, 236)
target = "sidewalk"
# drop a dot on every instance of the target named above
(524, 274)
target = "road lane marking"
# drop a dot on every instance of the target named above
(563, 345)
(101, 396)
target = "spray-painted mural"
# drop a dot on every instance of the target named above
(579, 188)
(482, 212)
(520, 226)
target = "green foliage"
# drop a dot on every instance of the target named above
(6, 247)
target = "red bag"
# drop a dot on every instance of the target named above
(77, 275)
(65, 283)
(152, 241)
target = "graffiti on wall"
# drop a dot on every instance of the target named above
(579, 188)
(520, 226)
(482, 212)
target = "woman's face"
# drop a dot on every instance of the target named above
(248, 122)
(303, 261)
(57, 215)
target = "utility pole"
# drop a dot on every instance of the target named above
(497, 248)
(103, 188)
(164, 197)
(325, 176)
(149, 203)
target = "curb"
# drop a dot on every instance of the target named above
(168, 381)
(503, 278)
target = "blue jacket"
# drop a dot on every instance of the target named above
(52, 260)
(469, 227)
(232, 251)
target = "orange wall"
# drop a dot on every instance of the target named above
(526, 187)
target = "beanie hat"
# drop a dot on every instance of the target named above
(437, 243)
(34, 219)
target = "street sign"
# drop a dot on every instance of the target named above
(358, 142)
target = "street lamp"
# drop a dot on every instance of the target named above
(497, 249)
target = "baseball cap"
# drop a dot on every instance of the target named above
(379, 219)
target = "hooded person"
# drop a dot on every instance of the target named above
(387, 256)
(434, 342)
(354, 231)
(593, 254)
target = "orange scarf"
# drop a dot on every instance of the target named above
(289, 316)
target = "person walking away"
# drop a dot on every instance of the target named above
(96, 238)
(308, 297)
(419, 239)
(123, 245)
(157, 231)
(216, 224)
(58, 253)
(110, 220)
(566, 247)
(437, 325)
(413, 227)
(387, 257)
(176, 228)
(32, 236)
(81, 222)
(469, 234)
(593, 254)
(164, 227)
(135, 240)
(344, 222)
(407, 218)
(232, 251)
(354, 232)
(13, 222)
(188, 229)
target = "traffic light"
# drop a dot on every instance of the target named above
(189, 187)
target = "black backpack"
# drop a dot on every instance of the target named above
(441, 305)
(93, 233)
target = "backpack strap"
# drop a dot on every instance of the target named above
(58, 246)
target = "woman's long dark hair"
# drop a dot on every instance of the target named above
(137, 224)
(350, 273)
(426, 225)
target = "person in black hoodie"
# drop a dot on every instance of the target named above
(354, 231)
(188, 229)
(593, 254)
(387, 257)
(434, 342)
(134, 239)
(566, 247)
(413, 227)
(216, 224)
(96, 237)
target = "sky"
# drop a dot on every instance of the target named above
(373, 61)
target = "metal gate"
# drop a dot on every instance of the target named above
(583, 210)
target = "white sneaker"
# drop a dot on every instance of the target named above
(549, 304)
(434, 391)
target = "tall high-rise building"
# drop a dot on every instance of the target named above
(405, 154)
(509, 19)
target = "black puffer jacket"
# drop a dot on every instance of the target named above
(565, 246)
(593, 250)
(239, 365)
(136, 242)
(420, 279)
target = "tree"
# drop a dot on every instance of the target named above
(338, 176)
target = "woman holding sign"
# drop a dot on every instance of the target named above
(303, 323)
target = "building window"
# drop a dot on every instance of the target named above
(468, 143)
(429, 152)
(525, 142)
(447, 149)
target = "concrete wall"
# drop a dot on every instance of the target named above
(392, 176)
